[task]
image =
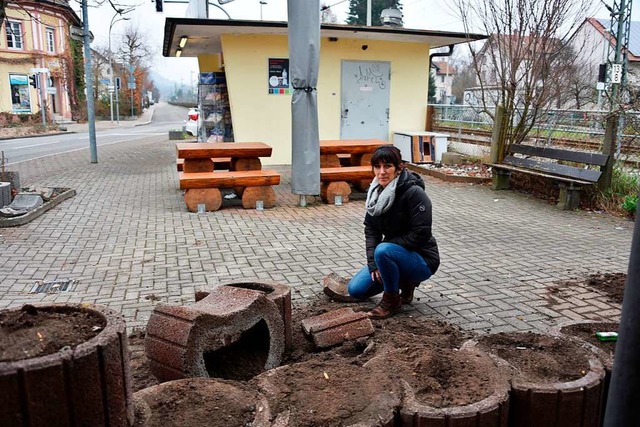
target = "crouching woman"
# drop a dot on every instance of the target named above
(401, 251)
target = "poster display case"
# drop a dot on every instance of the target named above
(215, 124)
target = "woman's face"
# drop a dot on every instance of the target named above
(385, 172)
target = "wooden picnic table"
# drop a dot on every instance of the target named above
(360, 151)
(244, 155)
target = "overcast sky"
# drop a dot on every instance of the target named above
(418, 14)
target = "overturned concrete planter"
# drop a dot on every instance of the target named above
(415, 411)
(233, 333)
(201, 402)
(557, 403)
(278, 293)
(87, 385)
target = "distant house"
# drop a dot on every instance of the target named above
(444, 74)
(527, 65)
(36, 35)
(595, 43)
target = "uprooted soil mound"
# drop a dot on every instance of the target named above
(199, 402)
(330, 391)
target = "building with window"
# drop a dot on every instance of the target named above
(443, 73)
(35, 51)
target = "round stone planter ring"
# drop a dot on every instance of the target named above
(85, 385)
(552, 403)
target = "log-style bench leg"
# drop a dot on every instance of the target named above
(197, 165)
(244, 164)
(569, 198)
(329, 161)
(210, 197)
(251, 195)
(329, 191)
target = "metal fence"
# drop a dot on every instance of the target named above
(581, 129)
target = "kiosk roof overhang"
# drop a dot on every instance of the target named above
(204, 34)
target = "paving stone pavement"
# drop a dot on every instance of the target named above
(130, 242)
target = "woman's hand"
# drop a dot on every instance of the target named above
(375, 276)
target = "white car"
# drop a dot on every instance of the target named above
(191, 124)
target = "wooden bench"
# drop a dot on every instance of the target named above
(204, 188)
(334, 181)
(551, 163)
(220, 163)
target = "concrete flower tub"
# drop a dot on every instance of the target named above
(552, 403)
(82, 385)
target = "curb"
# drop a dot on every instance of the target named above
(153, 110)
(5, 138)
(448, 178)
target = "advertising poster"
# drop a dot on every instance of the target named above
(279, 76)
(20, 99)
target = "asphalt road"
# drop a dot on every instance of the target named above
(165, 118)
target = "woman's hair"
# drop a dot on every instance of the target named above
(387, 154)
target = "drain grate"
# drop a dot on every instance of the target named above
(52, 286)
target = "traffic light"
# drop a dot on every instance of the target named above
(34, 81)
(117, 83)
(158, 5)
(602, 73)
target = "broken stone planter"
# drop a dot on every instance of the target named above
(550, 403)
(201, 402)
(233, 333)
(85, 385)
(278, 293)
(62, 194)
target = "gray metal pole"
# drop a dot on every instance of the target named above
(43, 98)
(91, 114)
(624, 391)
(117, 104)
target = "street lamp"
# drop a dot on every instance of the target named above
(112, 88)
(262, 3)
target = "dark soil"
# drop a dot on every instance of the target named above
(610, 284)
(198, 402)
(330, 390)
(31, 332)
(587, 332)
(539, 358)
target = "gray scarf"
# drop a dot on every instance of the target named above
(379, 199)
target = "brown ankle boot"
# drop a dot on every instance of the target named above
(406, 289)
(388, 306)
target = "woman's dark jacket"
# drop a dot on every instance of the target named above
(407, 223)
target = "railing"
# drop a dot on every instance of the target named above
(583, 129)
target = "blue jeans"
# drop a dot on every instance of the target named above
(395, 264)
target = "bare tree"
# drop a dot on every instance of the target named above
(526, 57)
(327, 16)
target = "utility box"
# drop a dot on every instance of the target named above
(5, 194)
(421, 147)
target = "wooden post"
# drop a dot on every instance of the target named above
(429, 122)
(610, 134)
(497, 136)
